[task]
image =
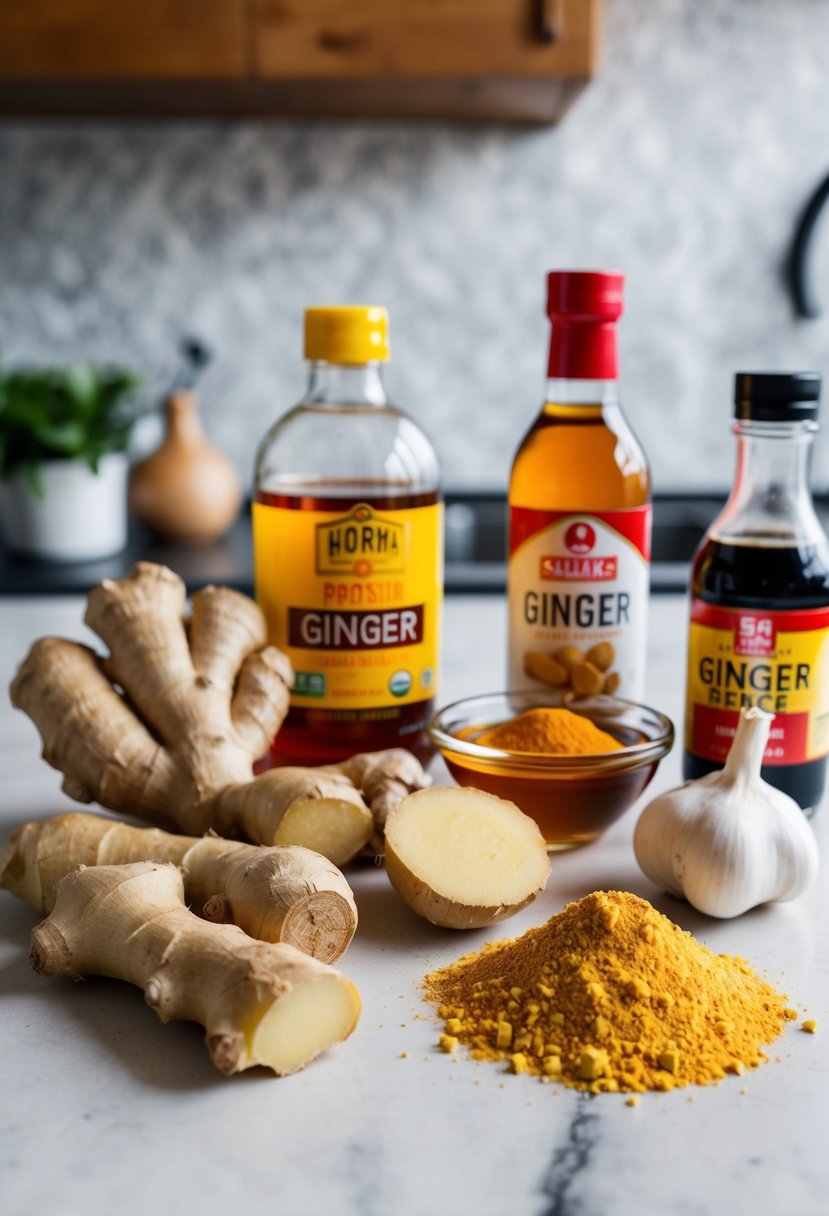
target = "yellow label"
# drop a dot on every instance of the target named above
(353, 598)
(775, 660)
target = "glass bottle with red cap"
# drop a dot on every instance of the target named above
(579, 512)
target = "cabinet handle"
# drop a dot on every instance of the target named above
(801, 283)
(546, 21)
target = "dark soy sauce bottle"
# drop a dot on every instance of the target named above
(759, 632)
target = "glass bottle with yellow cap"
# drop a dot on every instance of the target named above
(347, 530)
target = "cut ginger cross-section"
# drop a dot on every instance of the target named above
(462, 858)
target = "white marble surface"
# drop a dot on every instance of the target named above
(106, 1110)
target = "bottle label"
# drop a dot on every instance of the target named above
(578, 580)
(353, 598)
(778, 661)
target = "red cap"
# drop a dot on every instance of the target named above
(584, 306)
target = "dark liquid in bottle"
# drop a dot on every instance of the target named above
(760, 575)
(323, 736)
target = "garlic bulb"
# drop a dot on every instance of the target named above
(729, 841)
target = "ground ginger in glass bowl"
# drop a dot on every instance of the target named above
(573, 779)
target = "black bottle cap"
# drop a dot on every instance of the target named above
(776, 396)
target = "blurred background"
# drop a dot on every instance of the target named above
(209, 168)
(685, 162)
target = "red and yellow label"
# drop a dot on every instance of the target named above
(353, 598)
(580, 580)
(778, 661)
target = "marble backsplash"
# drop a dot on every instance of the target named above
(685, 163)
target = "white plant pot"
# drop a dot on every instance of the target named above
(81, 515)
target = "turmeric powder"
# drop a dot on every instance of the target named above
(550, 731)
(610, 996)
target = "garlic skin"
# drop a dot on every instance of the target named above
(729, 841)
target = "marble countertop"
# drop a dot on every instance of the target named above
(105, 1110)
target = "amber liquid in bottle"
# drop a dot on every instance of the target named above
(579, 474)
(579, 458)
(325, 735)
(348, 550)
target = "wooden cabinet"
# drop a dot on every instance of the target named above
(519, 60)
(123, 39)
(423, 38)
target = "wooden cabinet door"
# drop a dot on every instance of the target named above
(424, 38)
(123, 39)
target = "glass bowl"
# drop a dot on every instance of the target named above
(573, 799)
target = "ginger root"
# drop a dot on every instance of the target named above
(462, 858)
(260, 1003)
(276, 894)
(200, 700)
(168, 726)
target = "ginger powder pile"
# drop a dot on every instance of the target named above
(609, 995)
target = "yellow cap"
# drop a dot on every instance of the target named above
(347, 333)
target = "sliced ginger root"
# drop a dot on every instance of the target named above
(291, 895)
(462, 858)
(259, 1002)
(308, 806)
(168, 726)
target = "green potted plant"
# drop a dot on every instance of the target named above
(64, 433)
